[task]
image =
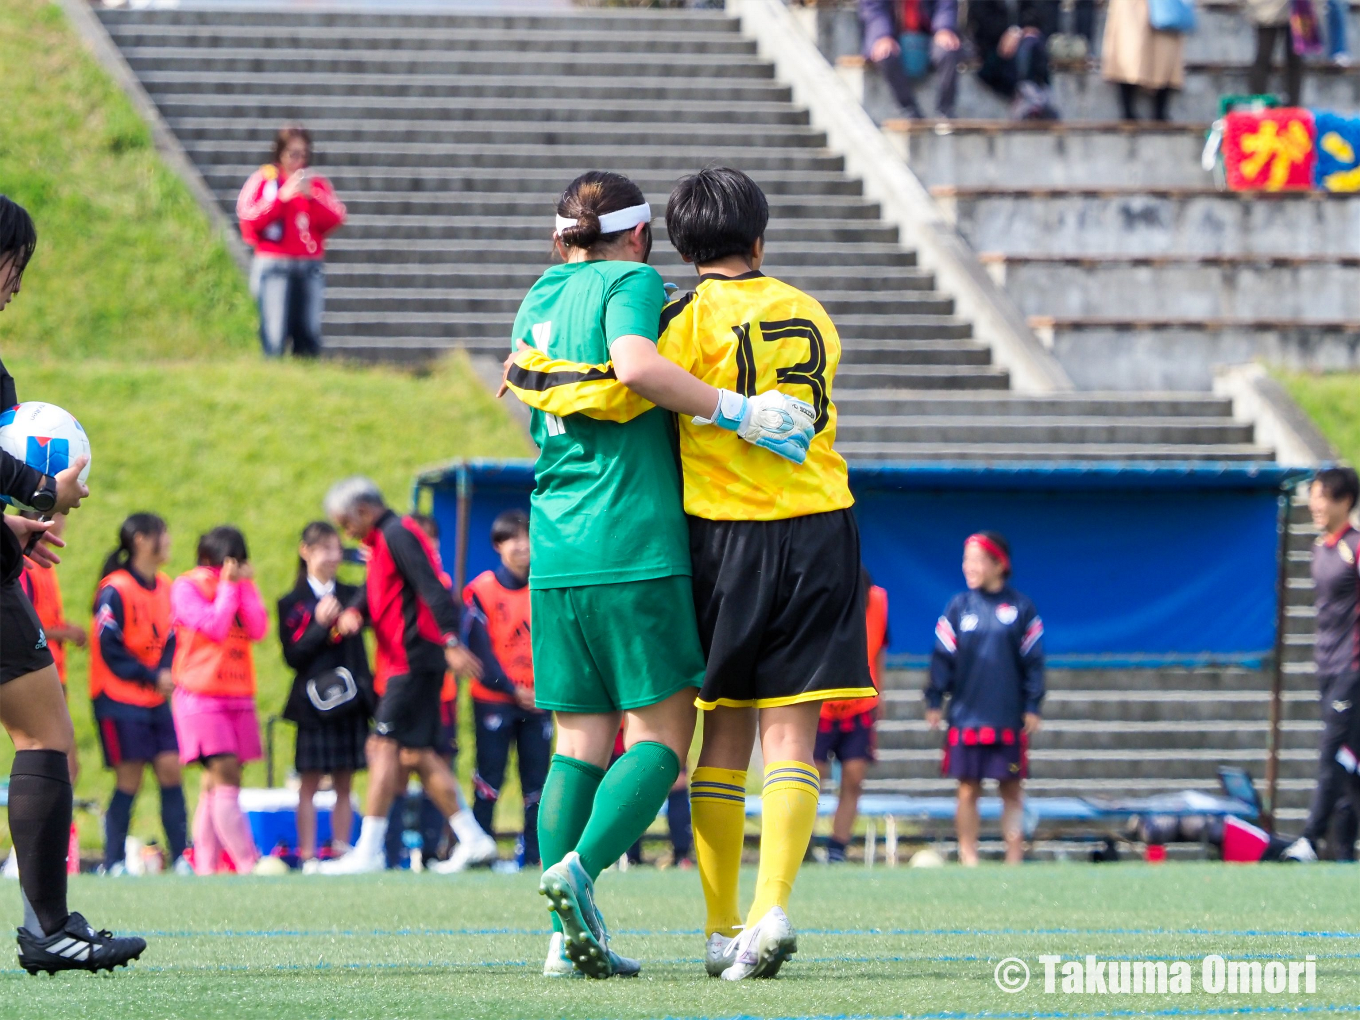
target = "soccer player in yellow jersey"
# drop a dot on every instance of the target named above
(774, 548)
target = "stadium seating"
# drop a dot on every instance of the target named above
(448, 134)
(1132, 266)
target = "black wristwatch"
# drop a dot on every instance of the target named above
(44, 500)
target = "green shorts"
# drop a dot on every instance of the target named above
(612, 647)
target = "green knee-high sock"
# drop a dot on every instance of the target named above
(626, 803)
(564, 809)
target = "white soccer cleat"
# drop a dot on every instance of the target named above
(469, 853)
(762, 949)
(1300, 850)
(182, 867)
(352, 863)
(558, 964)
(720, 952)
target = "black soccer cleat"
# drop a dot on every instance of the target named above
(77, 947)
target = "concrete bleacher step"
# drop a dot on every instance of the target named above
(505, 111)
(1082, 95)
(1181, 286)
(1141, 221)
(1031, 154)
(255, 133)
(1001, 452)
(580, 89)
(1126, 737)
(1143, 354)
(985, 429)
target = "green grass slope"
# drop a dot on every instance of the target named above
(134, 318)
(872, 943)
(1332, 400)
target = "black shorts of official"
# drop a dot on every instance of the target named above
(780, 609)
(23, 645)
(408, 711)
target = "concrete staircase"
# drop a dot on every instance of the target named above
(449, 135)
(1135, 269)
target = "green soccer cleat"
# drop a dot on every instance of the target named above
(585, 939)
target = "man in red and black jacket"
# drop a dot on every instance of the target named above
(416, 622)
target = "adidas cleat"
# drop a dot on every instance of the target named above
(471, 853)
(77, 947)
(762, 949)
(720, 952)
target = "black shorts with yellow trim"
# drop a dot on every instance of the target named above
(780, 609)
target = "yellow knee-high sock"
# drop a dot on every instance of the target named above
(717, 803)
(788, 810)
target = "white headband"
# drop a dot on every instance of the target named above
(621, 219)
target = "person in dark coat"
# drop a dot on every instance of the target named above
(1011, 37)
(989, 660)
(332, 694)
(886, 21)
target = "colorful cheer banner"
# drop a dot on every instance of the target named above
(1291, 149)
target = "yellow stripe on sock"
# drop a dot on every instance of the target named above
(788, 811)
(717, 800)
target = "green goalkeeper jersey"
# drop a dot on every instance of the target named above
(607, 503)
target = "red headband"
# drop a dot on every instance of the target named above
(990, 548)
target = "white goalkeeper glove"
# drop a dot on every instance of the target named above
(772, 420)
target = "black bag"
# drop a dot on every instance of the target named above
(333, 693)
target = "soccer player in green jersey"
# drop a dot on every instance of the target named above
(614, 632)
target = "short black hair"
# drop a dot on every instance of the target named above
(18, 236)
(1339, 483)
(427, 524)
(221, 544)
(715, 213)
(508, 524)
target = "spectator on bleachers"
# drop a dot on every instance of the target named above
(1337, 47)
(847, 729)
(930, 29)
(1271, 18)
(218, 615)
(331, 698)
(286, 210)
(989, 660)
(1011, 37)
(1135, 56)
(1336, 651)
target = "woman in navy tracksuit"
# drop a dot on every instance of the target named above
(989, 659)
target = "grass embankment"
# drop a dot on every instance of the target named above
(133, 317)
(1332, 400)
(872, 943)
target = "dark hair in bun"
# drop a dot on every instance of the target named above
(588, 198)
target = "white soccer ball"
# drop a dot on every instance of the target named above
(271, 866)
(927, 858)
(43, 436)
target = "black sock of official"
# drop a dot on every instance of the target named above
(40, 826)
(116, 821)
(174, 820)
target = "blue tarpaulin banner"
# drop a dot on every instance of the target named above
(1141, 564)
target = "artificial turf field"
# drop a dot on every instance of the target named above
(880, 943)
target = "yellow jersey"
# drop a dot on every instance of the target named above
(753, 333)
(748, 333)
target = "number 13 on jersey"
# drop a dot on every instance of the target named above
(799, 352)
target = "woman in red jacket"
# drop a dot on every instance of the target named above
(286, 210)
